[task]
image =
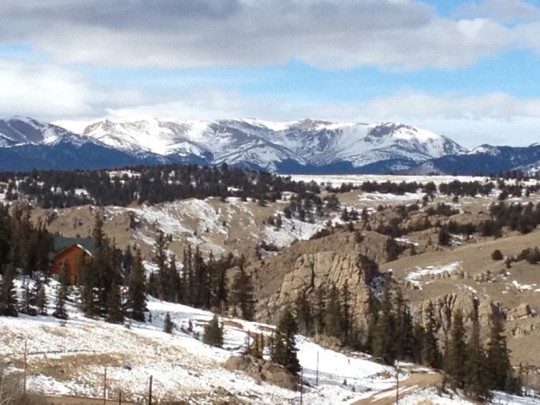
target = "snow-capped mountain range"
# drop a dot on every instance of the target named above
(306, 146)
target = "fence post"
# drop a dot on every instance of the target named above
(105, 387)
(25, 364)
(150, 392)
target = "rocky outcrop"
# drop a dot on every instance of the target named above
(321, 270)
(262, 371)
(446, 305)
(522, 311)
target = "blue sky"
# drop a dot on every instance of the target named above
(466, 69)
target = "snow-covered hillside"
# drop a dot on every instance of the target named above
(270, 145)
(72, 357)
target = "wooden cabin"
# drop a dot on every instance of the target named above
(69, 253)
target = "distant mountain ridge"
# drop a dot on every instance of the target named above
(305, 146)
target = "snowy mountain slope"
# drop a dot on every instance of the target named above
(305, 146)
(264, 144)
(484, 159)
(24, 130)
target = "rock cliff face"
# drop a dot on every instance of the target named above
(446, 305)
(337, 260)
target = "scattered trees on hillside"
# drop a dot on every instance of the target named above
(284, 349)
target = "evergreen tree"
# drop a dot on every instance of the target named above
(60, 304)
(160, 258)
(319, 314)
(303, 314)
(346, 316)
(8, 297)
(41, 300)
(384, 337)
(175, 290)
(498, 365)
(455, 362)
(168, 324)
(115, 308)
(332, 321)
(431, 355)
(136, 301)
(477, 379)
(284, 349)
(213, 333)
(406, 343)
(241, 295)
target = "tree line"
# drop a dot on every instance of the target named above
(59, 189)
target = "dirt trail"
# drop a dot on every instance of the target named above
(416, 382)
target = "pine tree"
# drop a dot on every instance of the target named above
(346, 316)
(431, 355)
(160, 258)
(332, 321)
(476, 380)
(213, 333)
(498, 365)
(319, 314)
(303, 314)
(60, 304)
(456, 352)
(168, 324)
(384, 337)
(136, 301)
(41, 300)
(407, 344)
(8, 297)
(241, 295)
(115, 309)
(284, 349)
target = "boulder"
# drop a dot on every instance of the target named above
(262, 371)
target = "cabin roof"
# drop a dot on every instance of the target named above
(61, 243)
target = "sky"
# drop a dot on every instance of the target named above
(466, 69)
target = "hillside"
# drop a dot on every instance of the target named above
(372, 230)
(70, 359)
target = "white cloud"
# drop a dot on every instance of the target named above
(501, 10)
(412, 105)
(44, 90)
(405, 34)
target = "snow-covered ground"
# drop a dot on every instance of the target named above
(73, 357)
(70, 359)
(415, 277)
(357, 179)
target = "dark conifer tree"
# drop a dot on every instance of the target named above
(431, 355)
(168, 324)
(136, 301)
(477, 379)
(8, 297)
(346, 315)
(332, 319)
(303, 311)
(319, 312)
(455, 361)
(213, 333)
(241, 295)
(60, 304)
(41, 300)
(384, 338)
(115, 307)
(174, 290)
(160, 259)
(498, 364)
(284, 349)
(406, 344)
